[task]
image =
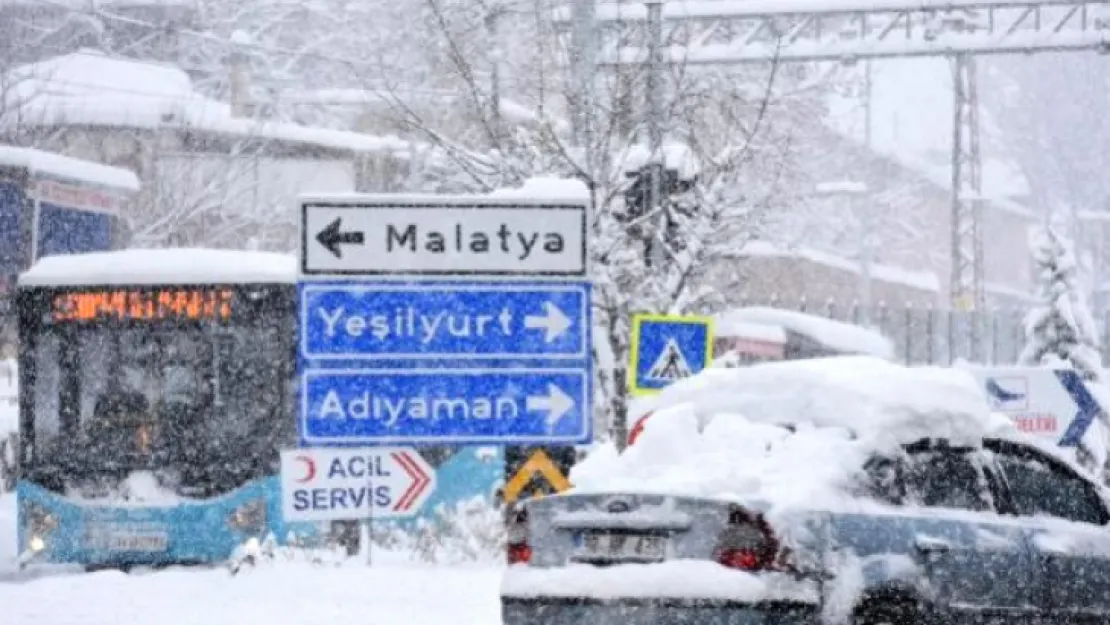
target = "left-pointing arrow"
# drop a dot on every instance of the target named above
(332, 237)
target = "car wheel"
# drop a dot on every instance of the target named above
(888, 613)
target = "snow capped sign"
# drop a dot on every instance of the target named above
(389, 354)
(668, 348)
(350, 484)
(374, 235)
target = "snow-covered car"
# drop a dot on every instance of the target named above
(841, 490)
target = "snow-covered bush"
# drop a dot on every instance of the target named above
(470, 531)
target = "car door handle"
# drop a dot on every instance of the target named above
(930, 545)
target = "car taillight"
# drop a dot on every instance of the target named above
(520, 553)
(747, 542)
(516, 530)
(637, 429)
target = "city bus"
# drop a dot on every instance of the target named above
(155, 395)
(157, 388)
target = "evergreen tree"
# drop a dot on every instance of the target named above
(1060, 330)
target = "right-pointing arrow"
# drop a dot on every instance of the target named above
(554, 322)
(556, 403)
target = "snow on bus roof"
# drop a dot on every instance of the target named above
(58, 166)
(162, 266)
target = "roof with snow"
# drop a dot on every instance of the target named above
(75, 169)
(924, 280)
(844, 337)
(162, 266)
(90, 88)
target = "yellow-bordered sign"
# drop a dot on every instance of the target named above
(539, 463)
(667, 348)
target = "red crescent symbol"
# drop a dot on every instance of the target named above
(310, 468)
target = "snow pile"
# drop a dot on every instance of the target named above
(469, 532)
(162, 266)
(718, 434)
(58, 166)
(841, 336)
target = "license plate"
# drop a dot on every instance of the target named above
(614, 546)
(140, 542)
(127, 541)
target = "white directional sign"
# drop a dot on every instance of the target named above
(404, 235)
(350, 484)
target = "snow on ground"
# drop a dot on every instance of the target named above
(718, 434)
(279, 594)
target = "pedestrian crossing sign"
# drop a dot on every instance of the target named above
(666, 348)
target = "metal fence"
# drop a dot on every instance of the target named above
(940, 336)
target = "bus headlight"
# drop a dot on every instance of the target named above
(249, 518)
(40, 523)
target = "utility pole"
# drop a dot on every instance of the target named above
(583, 59)
(657, 162)
(968, 292)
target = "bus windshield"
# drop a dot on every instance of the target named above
(204, 407)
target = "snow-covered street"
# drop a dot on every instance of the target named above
(293, 594)
(387, 593)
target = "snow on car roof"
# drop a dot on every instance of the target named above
(838, 335)
(717, 433)
(162, 266)
(58, 166)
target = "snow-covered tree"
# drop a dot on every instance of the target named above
(1060, 329)
(730, 134)
(1060, 332)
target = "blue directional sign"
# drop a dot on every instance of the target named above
(445, 406)
(434, 321)
(667, 348)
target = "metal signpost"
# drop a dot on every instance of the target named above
(443, 320)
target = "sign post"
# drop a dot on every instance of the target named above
(438, 320)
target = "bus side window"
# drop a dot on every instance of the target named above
(47, 391)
